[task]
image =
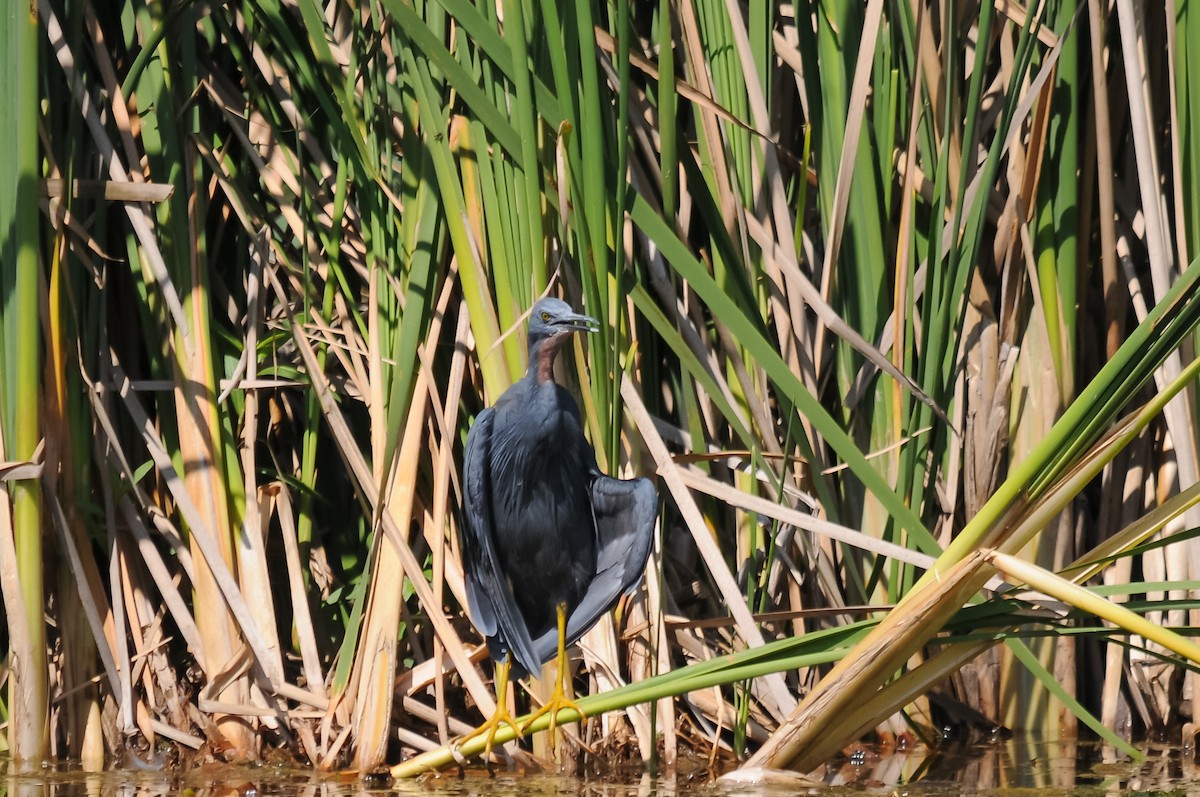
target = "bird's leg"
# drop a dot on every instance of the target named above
(558, 698)
(500, 716)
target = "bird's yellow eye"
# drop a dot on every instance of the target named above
(545, 316)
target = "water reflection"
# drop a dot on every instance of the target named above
(225, 781)
(481, 785)
(1014, 767)
(1024, 765)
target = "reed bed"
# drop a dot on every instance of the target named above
(898, 306)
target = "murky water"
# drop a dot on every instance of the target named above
(1013, 768)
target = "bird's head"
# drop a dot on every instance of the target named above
(552, 317)
(550, 322)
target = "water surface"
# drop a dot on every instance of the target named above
(1010, 768)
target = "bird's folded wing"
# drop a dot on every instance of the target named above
(624, 512)
(493, 608)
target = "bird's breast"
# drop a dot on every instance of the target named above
(540, 466)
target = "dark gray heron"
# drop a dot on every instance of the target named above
(549, 542)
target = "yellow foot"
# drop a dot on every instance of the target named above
(499, 717)
(557, 702)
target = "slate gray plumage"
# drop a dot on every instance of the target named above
(542, 526)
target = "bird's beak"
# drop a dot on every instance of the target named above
(577, 323)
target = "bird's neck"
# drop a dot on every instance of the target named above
(541, 358)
